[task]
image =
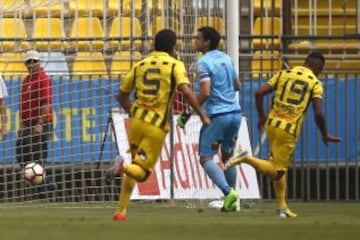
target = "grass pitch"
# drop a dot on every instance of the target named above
(156, 221)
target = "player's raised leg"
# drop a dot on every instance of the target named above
(146, 147)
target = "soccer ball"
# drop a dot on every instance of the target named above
(34, 174)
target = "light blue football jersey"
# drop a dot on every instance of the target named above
(218, 67)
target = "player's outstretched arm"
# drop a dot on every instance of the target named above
(321, 123)
(330, 138)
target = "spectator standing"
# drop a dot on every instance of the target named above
(36, 115)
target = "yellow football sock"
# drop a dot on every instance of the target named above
(264, 167)
(280, 192)
(127, 186)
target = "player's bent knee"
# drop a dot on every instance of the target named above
(137, 172)
(279, 174)
(147, 174)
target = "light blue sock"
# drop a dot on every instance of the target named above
(217, 176)
(230, 176)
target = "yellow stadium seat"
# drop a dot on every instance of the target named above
(336, 26)
(12, 28)
(41, 8)
(9, 8)
(86, 7)
(115, 8)
(161, 23)
(87, 27)
(215, 22)
(12, 65)
(162, 5)
(338, 7)
(51, 28)
(267, 26)
(332, 65)
(271, 6)
(89, 65)
(335, 46)
(265, 63)
(121, 27)
(122, 62)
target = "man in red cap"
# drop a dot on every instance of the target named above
(36, 113)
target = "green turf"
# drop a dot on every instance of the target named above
(320, 221)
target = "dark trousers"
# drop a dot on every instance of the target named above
(32, 147)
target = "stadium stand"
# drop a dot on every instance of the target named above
(12, 65)
(325, 26)
(270, 29)
(51, 29)
(332, 65)
(161, 22)
(122, 62)
(330, 20)
(334, 7)
(265, 63)
(87, 27)
(13, 28)
(337, 28)
(122, 27)
(216, 22)
(272, 7)
(86, 7)
(159, 6)
(54, 63)
(11, 8)
(115, 7)
(89, 65)
(41, 8)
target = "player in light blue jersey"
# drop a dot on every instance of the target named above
(219, 82)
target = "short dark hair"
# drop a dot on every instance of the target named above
(165, 40)
(210, 33)
(315, 58)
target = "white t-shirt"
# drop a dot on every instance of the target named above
(3, 90)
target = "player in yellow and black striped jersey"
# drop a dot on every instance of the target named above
(294, 90)
(154, 80)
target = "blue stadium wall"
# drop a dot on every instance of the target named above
(82, 109)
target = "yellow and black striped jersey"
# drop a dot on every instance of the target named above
(154, 79)
(294, 90)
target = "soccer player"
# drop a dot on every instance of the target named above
(294, 90)
(154, 80)
(219, 82)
